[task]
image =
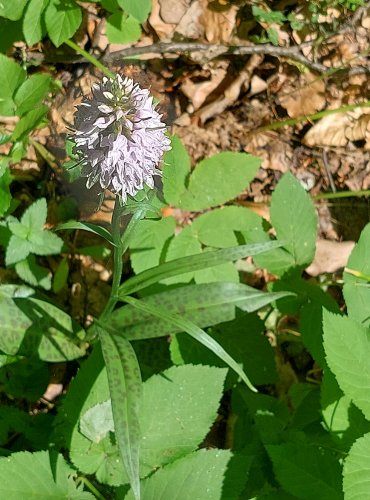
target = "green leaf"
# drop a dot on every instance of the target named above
(43, 475)
(240, 338)
(122, 29)
(196, 476)
(194, 331)
(11, 77)
(356, 470)
(204, 305)
(218, 179)
(183, 245)
(307, 471)
(342, 419)
(193, 263)
(33, 274)
(29, 122)
(126, 392)
(30, 94)
(6, 196)
(217, 228)
(35, 215)
(347, 347)
(61, 275)
(18, 249)
(97, 422)
(62, 18)
(356, 289)
(11, 31)
(32, 21)
(87, 226)
(294, 219)
(139, 9)
(176, 168)
(13, 9)
(45, 243)
(147, 244)
(32, 327)
(173, 422)
(270, 16)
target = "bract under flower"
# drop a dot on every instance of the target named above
(120, 137)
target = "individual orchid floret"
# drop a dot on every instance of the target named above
(119, 137)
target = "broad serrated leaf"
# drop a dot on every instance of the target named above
(45, 243)
(356, 470)
(356, 288)
(62, 19)
(176, 168)
(18, 249)
(122, 29)
(33, 274)
(307, 471)
(125, 389)
(192, 263)
(12, 9)
(147, 244)
(139, 9)
(38, 475)
(11, 77)
(173, 422)
(347, 348)
(217, 228)
(198, 476)
(35, 215)
(30, 94)
(341, 417)
(294, 219)
(218, 179)
(97, 422)
(32, 327)
(182, 245)
(29, 122)
(205, 305)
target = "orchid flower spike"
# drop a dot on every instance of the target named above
(119, 137)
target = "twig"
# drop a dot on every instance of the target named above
(215, 51)
(328, 171)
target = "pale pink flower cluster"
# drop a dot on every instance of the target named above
(120, 137)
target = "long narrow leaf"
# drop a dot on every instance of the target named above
(193, 263)
(194, 331)
(204, 304)
(125, 388)
(87, 226)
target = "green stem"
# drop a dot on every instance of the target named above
(313, 117)
(117, 259)
(122, 242)
(91, 487)
(342, 194)
(92, 59)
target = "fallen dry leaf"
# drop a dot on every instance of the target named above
(338, 129)
(308, 98)
(330, 256)
(231, 94)
(171, 11)
(162, 29)
(197, 93)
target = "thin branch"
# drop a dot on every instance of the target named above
(215, 51)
